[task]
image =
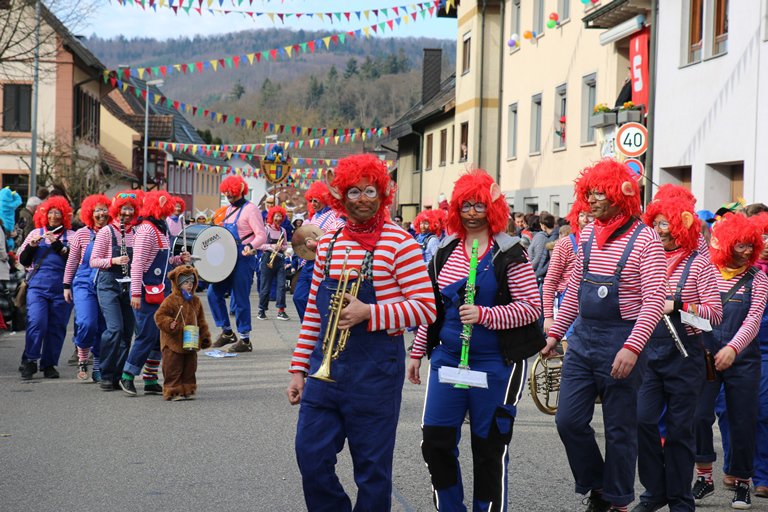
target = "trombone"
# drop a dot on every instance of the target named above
(277, 249)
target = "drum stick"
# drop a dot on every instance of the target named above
(177, 314)
(184, 233)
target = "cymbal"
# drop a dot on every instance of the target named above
(300, 237)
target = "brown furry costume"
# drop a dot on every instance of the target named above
(179, 365)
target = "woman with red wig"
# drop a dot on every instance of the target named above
(429, 227)
(275, 271)
(506, 297)
(44, 254)
(362, 406)
(176, 219)
(673, 376)
(79, 285)
(736, 245)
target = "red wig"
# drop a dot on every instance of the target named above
(89, 204)
(675, 192)
(179, 201)
(318, 190)
(579, 206)
(615, 181)
(235, 185)
(54, 203)
(126, 198)
(733, 229)
(684, 224)
(352, 169)
(435, 219)
(275, 210)
(478, 187)
(761, 221)
(158, 204)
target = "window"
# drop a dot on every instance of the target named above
(588, 102)
(512, 132)
(564, 9)
(428, 163)
(538, 17)
(695, 30)
(443, 146)
(17, 108)
(515, 22)
(464, 146)
(453, 141)
(87, 116)
(535, 124)
(465, 49)
(721, 27)
(561, 102)
(17, 182)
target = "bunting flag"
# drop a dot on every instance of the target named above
(274, 54)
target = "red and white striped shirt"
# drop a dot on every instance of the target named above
(101, 254)
(404, 296)
(642, 285)
(558, 273)
(327, 221)
(751, 325)
(521, 281)
(145, 249)
(36, 232)
(700, 289)
(77, 246)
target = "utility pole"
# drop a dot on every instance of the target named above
(36, 82)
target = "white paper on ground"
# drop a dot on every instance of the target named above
(450, 375)
(695, 321)
(219, 353)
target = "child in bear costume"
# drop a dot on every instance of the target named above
(180, 308)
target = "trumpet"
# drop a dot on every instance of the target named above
(124, 252)
(277, 249)
(334, 341)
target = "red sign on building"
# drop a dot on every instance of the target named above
(638, 67)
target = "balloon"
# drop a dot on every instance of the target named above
(516, 37)
(554, 16)
(533, 35)
(512, 43)
(585, 2)
(527, 34)
(551, 23)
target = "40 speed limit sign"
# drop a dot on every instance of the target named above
(632, 139)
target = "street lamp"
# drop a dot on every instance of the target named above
(157, 83)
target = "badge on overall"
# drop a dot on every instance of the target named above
(158, 271)
(602, 292)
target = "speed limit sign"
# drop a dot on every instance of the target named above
(632, 139)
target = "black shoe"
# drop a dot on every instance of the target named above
(153, 389)
(28, 370)
(224, 339)
(647, 507)
(50, 372)
(106, 386)
(261, 315)
(596, 503)
(127, 386)
(702, 489)
(282, 316)
(741, 496)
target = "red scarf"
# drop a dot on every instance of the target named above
(604, 230)
(762, 265)
(367, 233)
(674, 258)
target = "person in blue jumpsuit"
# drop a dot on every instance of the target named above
(45, 251)
(505, 289)
(273, 276)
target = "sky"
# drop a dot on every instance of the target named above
(111, 19)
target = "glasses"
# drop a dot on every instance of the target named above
(100, 211)
(743, 247)
(765, 238)
(663, 225)
(355, 193)
(478, 207)
(598, 196)
(54, 213)
(123, 195)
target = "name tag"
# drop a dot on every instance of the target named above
(695, 321)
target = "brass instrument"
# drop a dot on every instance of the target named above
(277, 249)
(544, 381)
(124, 252)
(334, 341)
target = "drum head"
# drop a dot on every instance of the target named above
(214, 254)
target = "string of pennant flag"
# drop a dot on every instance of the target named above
(291, 51)
(299, 177)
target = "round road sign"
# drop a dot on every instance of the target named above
(636, 166)
(632, 139)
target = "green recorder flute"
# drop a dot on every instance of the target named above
(469, 299)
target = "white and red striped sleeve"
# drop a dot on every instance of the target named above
(751, 325)
(558, 272)
(704, 295)
(144, 251)
(101, 254)
(77, 246)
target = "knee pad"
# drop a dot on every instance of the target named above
(437, 448)
(501, 425)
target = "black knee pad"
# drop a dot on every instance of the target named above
(437, 449)
(501, 426)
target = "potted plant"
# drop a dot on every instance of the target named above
(630, 113)
(602, 116)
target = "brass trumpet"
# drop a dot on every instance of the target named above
(334, 341)
(277, 249)
(544, 381)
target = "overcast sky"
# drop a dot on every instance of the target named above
(112, 19)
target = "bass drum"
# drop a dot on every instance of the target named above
(214, 254)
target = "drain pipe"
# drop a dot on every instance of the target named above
(480, 81)
(501, 95)
(648, 195)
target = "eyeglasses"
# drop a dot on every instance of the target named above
(740, 247)
(466, 206)
(355, 193)
(765, 238)
(123, 195)
(663, 225)
(598, 196)
(100, 210)
(54, 213)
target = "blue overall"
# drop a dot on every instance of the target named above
(361, 407)
(89, 322)
(115, 303)
(238, 284)
(673, 382)
(598, 334)
(741, 383)
(272, 276)
(304, 281)
(146, 345)
(491, 411)
(47, 311)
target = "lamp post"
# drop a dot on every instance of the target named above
(158, 83)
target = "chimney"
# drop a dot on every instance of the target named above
(430, 77)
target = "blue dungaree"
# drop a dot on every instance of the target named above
(47, 311)
(238, 284)
(361, 407)
(741, 383)
(89, 322)
(146, 345)
(598, 334)
(115, 303)
(270, 276)
(304, 281)
(674, 383)
(491, 411)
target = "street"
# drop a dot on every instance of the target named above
(68, 446)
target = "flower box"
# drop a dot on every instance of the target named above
(602, 119)
(630, 116)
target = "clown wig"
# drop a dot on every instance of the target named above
(761, 221)
(318, 190)
(235, 185)
(352, 169)
(89, 204)
(684, 225)
(733, 229)
(676, 193)
(158, 204)
(478, 187)
(428, 216)
(126, 198)
(180, 202)
(579, 206)
(273, 211)
(54, 203)
(615, 181)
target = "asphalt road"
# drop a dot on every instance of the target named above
(67, 446)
